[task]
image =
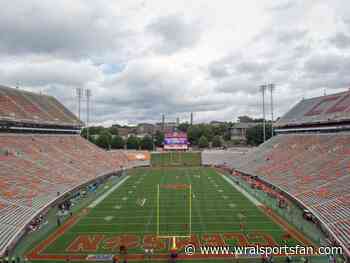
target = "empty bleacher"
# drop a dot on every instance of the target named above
(313, 168)
(36, 169)
(18, 105)
(332, 108)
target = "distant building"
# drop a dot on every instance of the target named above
(217, 123)
(125, 132)
(239, 130)
(145, 129)
(168, 126)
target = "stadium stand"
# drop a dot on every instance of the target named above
(27, 107)
(39, 169)
(333, 108)
(311, 167)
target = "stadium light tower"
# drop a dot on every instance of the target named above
(272, 88)
(88, 95)
(263, 89)
(79, 92)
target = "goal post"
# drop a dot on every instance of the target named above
(176, 203)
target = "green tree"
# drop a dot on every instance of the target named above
(203, 142)
(216, 141)
(207, 131)
(117, 142)
(113, 130)
(193, 134)
(255, 135)
(132, 143)
(183, 126)
(104, 140)
(159, 138)
(92, 139)
(146, 143)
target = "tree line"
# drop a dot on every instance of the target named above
(199, 135)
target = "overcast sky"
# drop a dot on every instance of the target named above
(141, 58)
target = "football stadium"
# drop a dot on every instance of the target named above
(62, 198)
(190, 131)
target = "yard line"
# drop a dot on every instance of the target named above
(152, 207)
(102, 197)
(197, 200)
(246, 194)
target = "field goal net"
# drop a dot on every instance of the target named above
(174, 211)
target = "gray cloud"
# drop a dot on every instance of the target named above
(71, 29)
(40, 73)
(175, 33)
(326, 64)
(141, 60)
(341, 41)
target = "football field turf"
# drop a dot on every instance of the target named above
(212, 211)
(176, 159)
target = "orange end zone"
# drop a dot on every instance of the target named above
(151, 241)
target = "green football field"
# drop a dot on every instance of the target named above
(194, 201)
(176, 159)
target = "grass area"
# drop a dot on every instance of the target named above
(176, 159)
(128, 216)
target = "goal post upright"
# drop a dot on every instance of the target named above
(170, 236)
(157, 209)
(190, 208)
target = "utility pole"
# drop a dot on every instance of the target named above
(163, 122)
(191, 119)
(272, 88)
(263, 89)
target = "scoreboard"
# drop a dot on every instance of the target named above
(175, 141)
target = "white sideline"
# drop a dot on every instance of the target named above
(102, 197)
(246, 194)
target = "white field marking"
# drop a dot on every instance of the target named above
(130, 192)
(117, 206)
(108, 218)
(232, 205)
(124, 198)
(102, 197)
(251, 198)
(134, 186)
(106, 187)
(143, 201)
(240, 216)
(220, 190)
(203, 226)
(225, 196)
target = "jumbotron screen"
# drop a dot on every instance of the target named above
(175, 141)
